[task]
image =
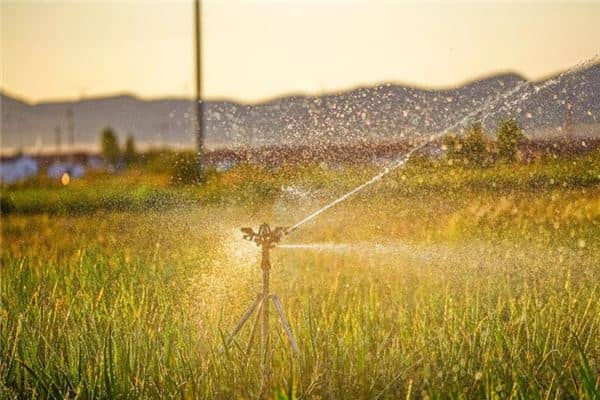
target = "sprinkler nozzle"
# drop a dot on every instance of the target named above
(264, 236)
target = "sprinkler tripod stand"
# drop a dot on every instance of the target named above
(265, 239)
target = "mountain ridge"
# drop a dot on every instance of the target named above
(271, 99)
(363, 113)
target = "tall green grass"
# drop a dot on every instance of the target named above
(475, 293)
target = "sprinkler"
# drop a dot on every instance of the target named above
(266, 239)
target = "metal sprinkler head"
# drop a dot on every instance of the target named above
(265, 237)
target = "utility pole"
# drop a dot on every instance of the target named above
(71, 133)
(70, 128)
(57, 141)
(199, 105)
(569, 118)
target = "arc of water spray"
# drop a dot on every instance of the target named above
(404, 158)
(551, 82)
(394, 164)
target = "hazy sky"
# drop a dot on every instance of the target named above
(259, 49)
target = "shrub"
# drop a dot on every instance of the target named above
(130, 153)
(509, 139)
(6, 205)
(110, 146)
(476, 146)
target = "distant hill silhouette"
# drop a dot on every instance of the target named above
(363, 114)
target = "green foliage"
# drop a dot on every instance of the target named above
(453, 145)
(476, 147)
(509, 139)
(157, 161)
(180, 166)
(130, 155)
(73, 201)
(110, 146)
(247, 184)
(6, 205)
(420, 160)
(473, 149)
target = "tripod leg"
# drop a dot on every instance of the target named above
(284, 322)
(254, 328)
(266, 359)
(242, 321)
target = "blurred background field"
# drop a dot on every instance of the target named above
(442, 280)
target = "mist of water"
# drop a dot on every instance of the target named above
(427, 253)
(489, 104)
(360, 247)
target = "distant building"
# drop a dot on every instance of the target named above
(18, 169)
(58, 169)
(95, 162)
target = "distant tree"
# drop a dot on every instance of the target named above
(452, 144)
(509, 137)
(110, 146)
(130, 154)
(476, 146)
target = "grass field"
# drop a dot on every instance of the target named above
(436, 282)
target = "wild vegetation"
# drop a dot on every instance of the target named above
(446, 279)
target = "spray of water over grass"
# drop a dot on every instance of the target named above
(468, 283)
(500, 102)
(474, 296)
